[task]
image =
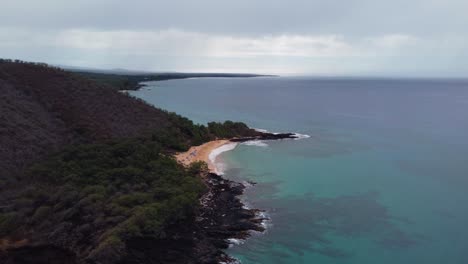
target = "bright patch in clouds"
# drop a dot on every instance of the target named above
(179, 50)
(394, 40)
(177, 42)
(316, 37)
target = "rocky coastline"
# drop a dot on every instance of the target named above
(202, 239)
(223, 216)
(266, 136)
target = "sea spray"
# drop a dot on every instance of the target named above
(300, 136)
(261, 130)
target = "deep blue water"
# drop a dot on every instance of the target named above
(382, 179)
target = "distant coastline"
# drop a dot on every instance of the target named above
(132, 81)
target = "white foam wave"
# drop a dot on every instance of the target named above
(266, 222)
(245, 204)
(261, 130)
(247, 184)
(234, 261)
(300, 136)
(257, 143)
(235, 241)
(219, 167)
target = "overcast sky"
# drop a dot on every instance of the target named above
(312, 37)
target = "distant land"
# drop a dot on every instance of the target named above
(132, 80)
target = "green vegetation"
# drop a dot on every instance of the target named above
(107, 193)
(121, 82)
(86, 168)
(230, 129)
(185, 133)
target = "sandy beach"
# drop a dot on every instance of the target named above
(201, 153)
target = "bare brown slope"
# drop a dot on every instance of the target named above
(42, 109)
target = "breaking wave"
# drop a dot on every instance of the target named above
(258, 143)
(219, 166)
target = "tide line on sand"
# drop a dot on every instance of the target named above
(208, 153)
(218, 167)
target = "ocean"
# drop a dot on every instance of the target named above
(383, 177)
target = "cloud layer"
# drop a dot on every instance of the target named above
(357, 37)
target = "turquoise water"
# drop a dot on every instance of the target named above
(382, 179)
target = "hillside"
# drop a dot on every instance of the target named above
(87, 174)
(43, 109)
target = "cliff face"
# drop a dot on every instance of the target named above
(42, 109)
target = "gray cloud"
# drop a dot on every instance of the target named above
(310, 37)
(365, 17)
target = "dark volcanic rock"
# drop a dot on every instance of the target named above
(224, 216)
(38, 255)
(221, 216)
(266, 136)
(200, 241)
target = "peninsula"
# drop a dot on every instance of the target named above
(133, 80)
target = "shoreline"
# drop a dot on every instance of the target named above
(224, 219)
(206, 152)
(209, 151)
